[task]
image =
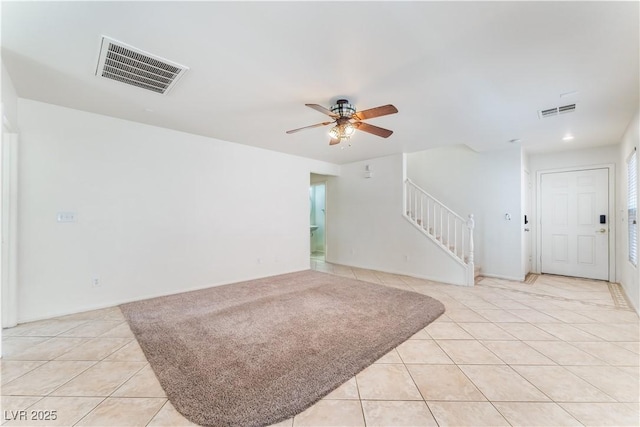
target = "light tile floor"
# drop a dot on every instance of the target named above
(558, 352)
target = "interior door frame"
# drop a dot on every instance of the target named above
(325, 182)
(324, 234)
(611, 173)
(528, 264)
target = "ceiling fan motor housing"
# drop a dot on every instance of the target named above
(343, 109)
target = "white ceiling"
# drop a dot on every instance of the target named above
(459, 73)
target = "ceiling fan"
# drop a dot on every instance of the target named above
(347, 120)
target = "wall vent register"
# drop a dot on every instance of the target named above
(132, 66)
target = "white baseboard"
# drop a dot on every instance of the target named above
(402, 273)
(500, 276)
(632, 303)
(141, 298)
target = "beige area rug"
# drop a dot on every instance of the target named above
(258, 352)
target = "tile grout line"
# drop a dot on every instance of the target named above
(31, 370)
(416, 385)
(514, 371)
(536, 306)
(165, 404)
(364, 417)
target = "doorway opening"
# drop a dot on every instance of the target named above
(317, 221)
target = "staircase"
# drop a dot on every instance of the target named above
(450, 231)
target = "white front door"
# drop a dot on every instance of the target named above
(574, 223)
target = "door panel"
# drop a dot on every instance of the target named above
(560, 210)
(586, 208)
(560, 252)
(586, 249)
(574, 243)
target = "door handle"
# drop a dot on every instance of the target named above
(602, 230)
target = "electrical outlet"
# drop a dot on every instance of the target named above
(95, 282)
(66, 217)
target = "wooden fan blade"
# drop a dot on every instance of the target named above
(375, 130)
(322, 110)
(309, 127)
(375, 112)
(334, 141)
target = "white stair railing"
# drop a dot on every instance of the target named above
(447, 229)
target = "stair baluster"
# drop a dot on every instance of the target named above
(461, 247)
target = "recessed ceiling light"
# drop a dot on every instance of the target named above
(568, 138)
(513, 141)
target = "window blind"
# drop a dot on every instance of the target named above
(632, 206)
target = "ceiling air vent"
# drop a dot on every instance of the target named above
(136, 67)
(567, 109)
(549, 112)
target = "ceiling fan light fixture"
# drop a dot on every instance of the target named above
(347, 120)
(348, 129)
(343, 109)
(343, 131)
(334, 133)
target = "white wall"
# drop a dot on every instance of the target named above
(561, 160)
(571, 158)
(9, 100)
(158, 211)
(9, 112)
(366, 228)
(627, 273)
(487, 185)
